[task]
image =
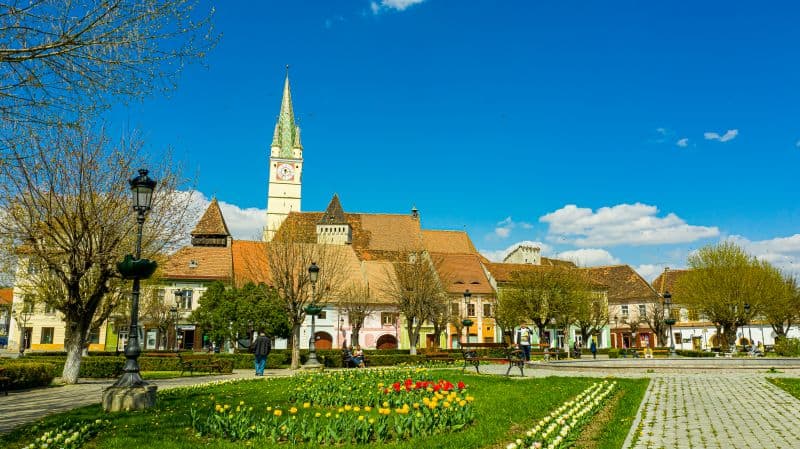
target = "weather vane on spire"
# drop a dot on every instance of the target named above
(287, 70)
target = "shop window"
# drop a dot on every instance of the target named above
(47, 335)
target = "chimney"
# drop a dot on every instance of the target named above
(414, 212)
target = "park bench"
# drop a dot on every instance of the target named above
(5, 382)
(347, 359)
(433, 355)
(199, 362)
(475, 353)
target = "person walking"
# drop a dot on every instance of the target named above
(261, 348)
(524, 337)
(593, 348)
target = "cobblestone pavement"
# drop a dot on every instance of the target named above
(702, 408)
(716, 411)
(21, 407)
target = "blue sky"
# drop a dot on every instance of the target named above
(609, 132)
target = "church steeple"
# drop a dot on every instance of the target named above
(284, 192)
(286, 138)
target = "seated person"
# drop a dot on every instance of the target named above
(648, 353)
(347, 357)
(358, 356)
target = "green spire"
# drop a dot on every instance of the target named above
(287, 134)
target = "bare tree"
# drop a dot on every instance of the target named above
(439, 315)
(289, 259)
(415, 288)
(64, 60)
(155, 311)
(654, 317)
(358, 304)
(592, 316)
(67, 209)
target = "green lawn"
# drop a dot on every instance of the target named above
(148, 375)
(505, 408)
(792, 386)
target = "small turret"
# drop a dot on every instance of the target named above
(334, 228)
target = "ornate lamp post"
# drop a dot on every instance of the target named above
(130, 392)
(669, 321)
(554, 337)
(615, 320)
(173, 314)
(466, 321)
(313, 309)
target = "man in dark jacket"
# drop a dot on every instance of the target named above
(261, 348)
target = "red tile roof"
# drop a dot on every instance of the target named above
(212, 223)
(201, 263)
(6, 296)
(448, 242)
(460, 272)
(623, 283)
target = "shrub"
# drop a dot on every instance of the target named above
(693, 353)
(28, 374)
(613, 353)
(787, 347)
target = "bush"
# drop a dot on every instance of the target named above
(28, 374)
(693, 353)
(613, 353)
(787, 347)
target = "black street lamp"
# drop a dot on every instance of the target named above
(119, 396)
(313, 309)
(669, 321)
(173, 314)
(466, 321)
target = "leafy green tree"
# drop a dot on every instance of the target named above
(228, 313)
(780, 301)
(722, 279)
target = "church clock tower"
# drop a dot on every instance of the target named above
(285, 167)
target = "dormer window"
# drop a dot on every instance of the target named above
(193, 263)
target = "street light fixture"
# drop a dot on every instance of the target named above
(615, 320)
(466, 321)
(669, 321)
(173, 313)
(130, 391)
(313, 309)
(554, 337)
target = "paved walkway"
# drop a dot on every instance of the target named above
(21, 407)
(712, 411)
(688, 407)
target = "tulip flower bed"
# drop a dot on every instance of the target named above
(67, 436)
(358, 407)
(560, 428)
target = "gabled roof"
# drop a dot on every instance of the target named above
(375, 236)
(250, 262)
(501, 272)
(6, 296)
(460, 272)
(666, 280)
(334, 213)
(558, 262)
(448, 242)
(212, 223)
(623, 283)
(199, 263)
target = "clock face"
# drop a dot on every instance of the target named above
(285, 172)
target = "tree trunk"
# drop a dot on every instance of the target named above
(295, 346)
(75, 335)
(354, 334)
(412, 338)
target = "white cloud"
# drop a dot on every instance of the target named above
(683, 143)
(243, 223)
(397, 5)
(783, 252)
(623, 224)
(503, 228)
(588, 257)
(650, 271)
(500, 254)
(729, 135)
(662, 131)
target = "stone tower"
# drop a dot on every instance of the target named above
(285, 167)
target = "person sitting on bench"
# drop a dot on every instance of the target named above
(358, 356)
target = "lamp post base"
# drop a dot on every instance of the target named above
(118, 399)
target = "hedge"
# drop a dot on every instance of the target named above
(28, 374)
(693, 353)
